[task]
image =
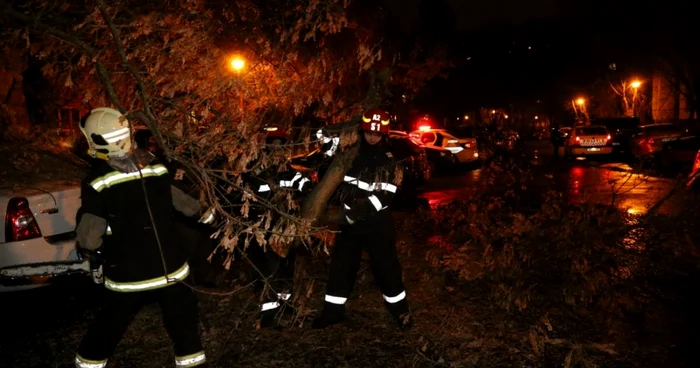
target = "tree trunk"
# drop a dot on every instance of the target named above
(14, 117)
(315, 203)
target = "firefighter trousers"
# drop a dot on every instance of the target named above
(380, 242)
(180, 316)
(275, 270)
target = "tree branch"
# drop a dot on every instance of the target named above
(151, 121)
(35, 24)
(316, 202)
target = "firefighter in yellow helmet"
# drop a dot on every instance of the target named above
(127, 208)
(366, 192)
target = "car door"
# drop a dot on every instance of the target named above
(428, 138)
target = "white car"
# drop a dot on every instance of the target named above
(37, 241)
(465, 149)
(588, 140)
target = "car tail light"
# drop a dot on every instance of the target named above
(650, 141)
(696, 165)
(609, 137)
(20, 223)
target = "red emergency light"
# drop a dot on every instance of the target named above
(424, 128)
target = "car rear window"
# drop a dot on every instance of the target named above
(403, 147)
(663, 129)
(687, 143)
(591, 131)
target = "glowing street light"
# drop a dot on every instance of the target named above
(237, 64)
(466, 117)
(493, 111)
(580, 101)
(506, 116)
(635, 84)
(536, 117)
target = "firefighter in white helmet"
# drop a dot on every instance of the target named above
(127, 208)
(367, 191)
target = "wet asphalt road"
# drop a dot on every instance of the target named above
(598, 180)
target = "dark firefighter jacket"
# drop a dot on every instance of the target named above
(368, 187)
(271, 185)
(133, 260)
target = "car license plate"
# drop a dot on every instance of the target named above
(593, 149)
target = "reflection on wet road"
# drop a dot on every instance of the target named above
(581, 181)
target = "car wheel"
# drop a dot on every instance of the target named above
(427, 174)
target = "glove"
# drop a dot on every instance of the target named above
(354, 214)
(209, 216)
(361, 208)
(94, 256)
(96, 260)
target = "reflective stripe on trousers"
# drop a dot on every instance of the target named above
(81, 362)
(389, 299)
(275, 304)
(191, 360)
(395, 299)
(336, 299)
(156, 283)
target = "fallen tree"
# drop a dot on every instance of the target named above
(167, 65)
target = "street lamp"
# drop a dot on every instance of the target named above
(237, 64)
(580, 101)
(635, 84)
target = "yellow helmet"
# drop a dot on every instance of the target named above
(107, 132)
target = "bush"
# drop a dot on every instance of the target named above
(559, 251)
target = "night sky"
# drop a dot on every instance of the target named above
(508, 51)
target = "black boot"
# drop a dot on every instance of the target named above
(332, 314)
(286, 305)
(405, 321)
(269, 319)
(401, 313)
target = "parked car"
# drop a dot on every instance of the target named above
(37, 243)
(438, 158)
(622, 129)
(588, 140)
(465, 149)
(564, 132)
(693, 182)
(680, 153)
(413, 157)
(650, 139)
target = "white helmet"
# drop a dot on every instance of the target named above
(107, 132)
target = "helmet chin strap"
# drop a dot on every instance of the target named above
(127, 162)
(96, 154)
